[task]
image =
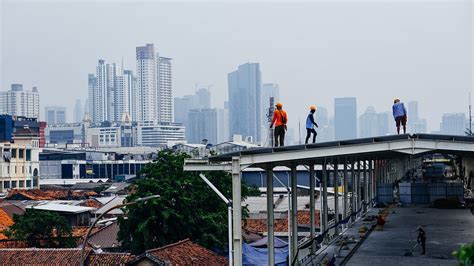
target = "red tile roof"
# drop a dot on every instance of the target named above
(5, 222)
(280, 225)
(91, 203)
(106, 237)
(38, 194)
(108, 259)
(40, 256)
(186, 252)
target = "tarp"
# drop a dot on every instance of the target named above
(263, 243)
(259, 256)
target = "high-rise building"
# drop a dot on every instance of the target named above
(322, 116)
(325, 129)
(182, 107)
(164, 87)
(385, 121)
(245, 116)
(55, 115)
(415, 123)
(369, 123)
(145, 104)
(124, 88)
(268, 91)
(202, 124)
(102, 91)
(413, 110)
(19, 102)
(223, 124)
(78, 111)
(202, 99)
(345, 118)
(453, 124)
(156, 134)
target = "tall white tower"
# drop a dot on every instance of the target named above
(146, 98)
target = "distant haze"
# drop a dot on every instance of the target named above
(374, 50)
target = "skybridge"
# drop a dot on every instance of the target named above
(366, 163)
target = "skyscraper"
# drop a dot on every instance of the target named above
(55, 115)
(385, 120)
(124, 88)
(369, 123)
(244, 101)
(78, 111)
(164, 87)
(453, 124)
(223, 124)
(325, 129)
(102, 91)
(268, 90)
(202, 99)
(345, 118)
(202, 124)
(145, 104)
(19, 102)
(415, 123)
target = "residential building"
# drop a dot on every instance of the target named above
(453, 124)
(164, 87)
(10, 125)
(181, 108)
(145, 104)
(245, 116)
(19, 161)
(236, 144)
(75, 215)
(101, 92)
(55, 115)
(202, 124)
(19, 102)
(78, 111)
(124, 89)
(202, 99)
(156, 134)
(345, 118)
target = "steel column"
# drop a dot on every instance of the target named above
(294, 210)
(344, 206)
(325, 197)
(353, 189)
(237, 207)
(336, 195)
(270, 216)
(358, 185)
(312, 218)
(365, 185)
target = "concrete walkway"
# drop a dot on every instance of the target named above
(446, 230)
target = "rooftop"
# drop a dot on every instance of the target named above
(61, 208)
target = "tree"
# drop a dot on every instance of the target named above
(41, 229)
(465, 255)
(187, 207)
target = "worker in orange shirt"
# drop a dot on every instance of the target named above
(279, 120)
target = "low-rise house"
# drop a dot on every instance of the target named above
(76, 215)
(106, 238)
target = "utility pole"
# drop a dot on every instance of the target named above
(271, 109)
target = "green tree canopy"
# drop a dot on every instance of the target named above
(41, 229)
(187, 207)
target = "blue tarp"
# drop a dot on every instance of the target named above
(259, 256)
(263, 243)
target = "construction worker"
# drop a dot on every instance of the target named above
(310, 125)
(422, 239)
(279, 120)
(400, 115)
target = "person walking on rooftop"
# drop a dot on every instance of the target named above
(400, 115)
(310, 125)
(279, 119)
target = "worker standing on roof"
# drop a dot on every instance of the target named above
(422, 239)
(279, 120)
(310, 125)
(400, 115)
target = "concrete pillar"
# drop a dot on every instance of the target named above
(325, 198)
(237, 210)
(270, 216)
(312, 218)
(336, 195)
(344, 205)
(294, 211)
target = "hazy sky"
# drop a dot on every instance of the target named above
(374, 50)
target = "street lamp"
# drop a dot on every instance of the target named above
(144, 199)
(229, 212)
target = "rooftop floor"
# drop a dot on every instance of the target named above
(446, 230)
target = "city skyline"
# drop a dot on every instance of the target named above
(315, 69)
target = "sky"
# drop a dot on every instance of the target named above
(373, 50)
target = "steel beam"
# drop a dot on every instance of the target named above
(312, 218)
(270, 216)
(237, 207)
(294, 210)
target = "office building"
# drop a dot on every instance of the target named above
(453, 124)
(145, 104)
(369, 123)
(415, 123)
(201, 99)
(164, 86)
(345, 118)
(245, 116)
(155, 134)
(62, 134)
(222, 124)
(386, 121)
(78, 111)
(20, 102)
(55, 115)
(202, 124)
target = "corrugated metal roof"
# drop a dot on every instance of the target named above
(61, 208)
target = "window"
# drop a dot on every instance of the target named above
(28, 183)
(28, 155)
(22, 184)
(6, 184)
(14, 153)
(13, 184)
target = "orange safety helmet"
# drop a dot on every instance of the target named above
(312, 107)
(279, 105)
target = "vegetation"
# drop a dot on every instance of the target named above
(465, 255)
(42, 229)
(187, 207)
